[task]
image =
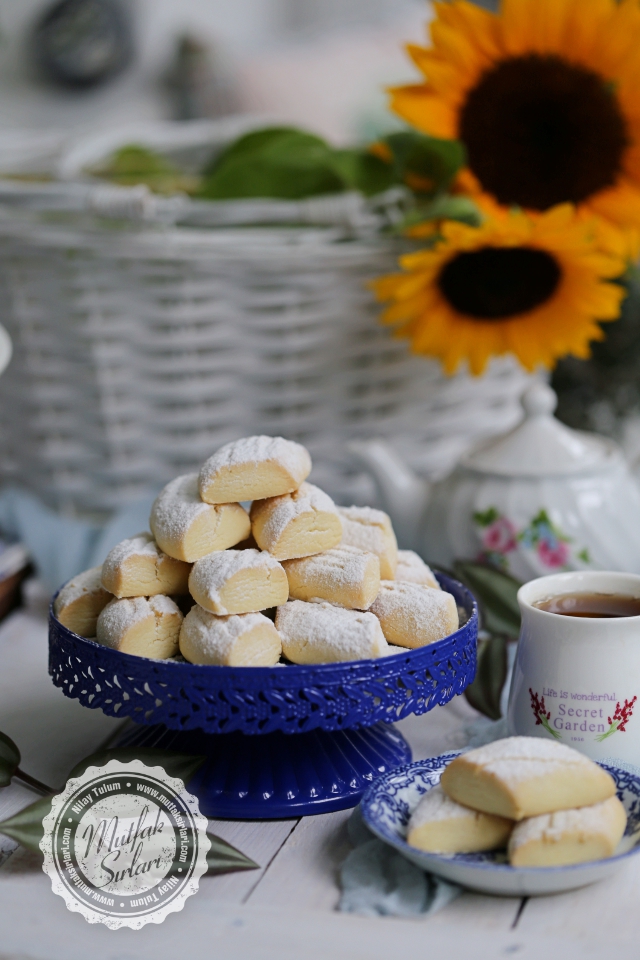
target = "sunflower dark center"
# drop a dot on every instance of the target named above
(495, 283)
(541, 131)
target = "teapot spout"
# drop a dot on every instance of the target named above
(404, 495)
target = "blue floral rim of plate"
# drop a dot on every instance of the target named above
(261, 700)
(386, 811)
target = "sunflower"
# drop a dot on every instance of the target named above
(535, 287)
(544, 96)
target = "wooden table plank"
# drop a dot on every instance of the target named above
(36, 925)
(604, 913)
(304, 874)
(299, 859)
(52, 732)
(259, 839)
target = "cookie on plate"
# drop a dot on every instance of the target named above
(322, 633)
(247, 640)
(80, 602)
(345, 576)
(440, 825)
(521, 777)
(187, 529)
(371, 530)
(297, 524)
(238, 581)
(145, 627)
(412, 569)
(568, 836)
(254, 468)
(137, 567)
(412, 615)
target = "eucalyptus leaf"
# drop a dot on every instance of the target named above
(9, 759)
(223, 858)
(175, 764)
(496, 593)
(485, 692)
(26, 827)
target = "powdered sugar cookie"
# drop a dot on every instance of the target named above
(137, 567)
(322, 633)
(297, 524)
(343, 575)
(412, 615)
(238, 581)
(568, 836)
(440, 825)
(249, 640)
(412, 569)
(371, 530)
(140, 626)
(254, 468)
(522, 777)
(80, 602)
(187, 528)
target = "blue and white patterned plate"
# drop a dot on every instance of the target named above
(390, 800)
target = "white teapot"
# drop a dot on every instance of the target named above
(537, 500)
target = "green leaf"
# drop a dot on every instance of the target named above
(9, 759)
(496, 594)
(175, 764)
(132, 165)
(26, 827)
(269, 142)
(278, 162)
(223, 858)
(486, 690)
(418, 157)
(362, 170)
(448, 207)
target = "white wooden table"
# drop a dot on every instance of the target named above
(287, 908)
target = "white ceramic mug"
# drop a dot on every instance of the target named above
(577, 679)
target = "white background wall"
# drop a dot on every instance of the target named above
(320, 63)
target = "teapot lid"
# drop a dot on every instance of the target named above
(541, 445)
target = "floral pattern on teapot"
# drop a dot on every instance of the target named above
(499, 537)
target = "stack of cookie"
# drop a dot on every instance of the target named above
(295, 577)
(549, 805)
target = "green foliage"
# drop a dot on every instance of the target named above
(496, 594)
(9, 759)
(278, 162)
(291, 164)
(362, 170)
(417, 158)
(486, 690)
(26, 827)
(133, 165)
(223, 858)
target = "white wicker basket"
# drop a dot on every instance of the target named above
(142, 341)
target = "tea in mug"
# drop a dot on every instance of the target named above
(594, 605)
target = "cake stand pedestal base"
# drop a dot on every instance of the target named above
(279, 775)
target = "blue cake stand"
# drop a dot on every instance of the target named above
(282, 741)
